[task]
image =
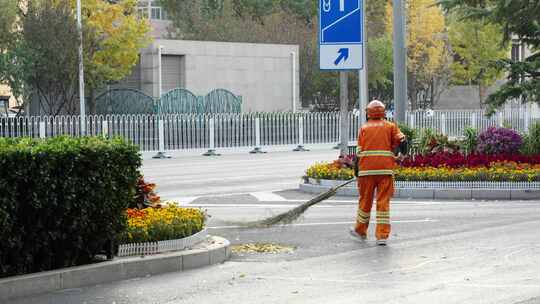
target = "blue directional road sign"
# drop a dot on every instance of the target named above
(341, 34)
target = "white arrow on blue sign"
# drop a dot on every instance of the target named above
(341, 34)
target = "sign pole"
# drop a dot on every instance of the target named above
(341, 48)
(344, 112)
(363, 93)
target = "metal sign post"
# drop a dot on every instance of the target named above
(341, 47)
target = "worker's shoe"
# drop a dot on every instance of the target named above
(381, 242)
(356, 236)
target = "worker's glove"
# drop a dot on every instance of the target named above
(400, 157)
(404, 147)
(355, 160)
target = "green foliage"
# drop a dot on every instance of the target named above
(531, 140)
(42, 64)
(519, 19)
(7, 20)
(477, 45)
(381, 76)
(470, 141)
(63, 199)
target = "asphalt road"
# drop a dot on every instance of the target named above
(439, 251)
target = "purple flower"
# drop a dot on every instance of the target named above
(499, 141)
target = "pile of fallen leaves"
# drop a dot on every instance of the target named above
(261, 248)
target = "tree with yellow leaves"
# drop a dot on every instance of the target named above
(428, 55)
(113, 36)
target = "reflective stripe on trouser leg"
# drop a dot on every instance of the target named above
(366, 188)
(385, 191)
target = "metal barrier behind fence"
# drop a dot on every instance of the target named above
(452, 123)
(212, 131)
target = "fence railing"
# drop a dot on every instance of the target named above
(188, 131)
(452, 123)
(211, 131)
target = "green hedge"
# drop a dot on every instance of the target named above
(62, 200)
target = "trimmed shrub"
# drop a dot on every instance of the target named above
(499, 141)
(63, 199)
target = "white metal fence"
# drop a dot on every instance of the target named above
(188, 131)
(452, 123)
(185, 131)
(149, 248)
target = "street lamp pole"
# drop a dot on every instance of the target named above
(400, 61)
(81, 72)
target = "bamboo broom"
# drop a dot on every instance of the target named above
(293, 214)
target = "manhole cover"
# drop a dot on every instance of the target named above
(261, 248)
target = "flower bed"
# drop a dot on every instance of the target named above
(159, 224)
(494, 171)
(458, 160)
(329, 171)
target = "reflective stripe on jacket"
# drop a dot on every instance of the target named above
(376, 140)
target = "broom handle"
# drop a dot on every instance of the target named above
(344, 184)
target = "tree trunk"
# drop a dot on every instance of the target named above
(414, 95)
(92, 107)
(481, 94)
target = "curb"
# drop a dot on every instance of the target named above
(215, 250)
(426, 193)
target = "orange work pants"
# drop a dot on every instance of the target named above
(367, 185)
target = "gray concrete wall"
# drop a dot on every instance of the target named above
(461, 98)
(260, 73)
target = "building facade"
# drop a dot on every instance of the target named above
(266, 76)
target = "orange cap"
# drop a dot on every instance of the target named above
(376, 109)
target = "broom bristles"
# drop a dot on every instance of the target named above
(293, 214)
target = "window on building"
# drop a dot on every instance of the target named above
(156, 13)
(143, 12)
(152, 10)
(516, 52)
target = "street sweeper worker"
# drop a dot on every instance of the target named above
(377, 141)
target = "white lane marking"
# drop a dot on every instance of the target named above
(183, 201)
(173, 180)
(261, 206)
(266, 196)
(427, 220)
(222, 194)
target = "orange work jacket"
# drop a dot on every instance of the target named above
(376, 141)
